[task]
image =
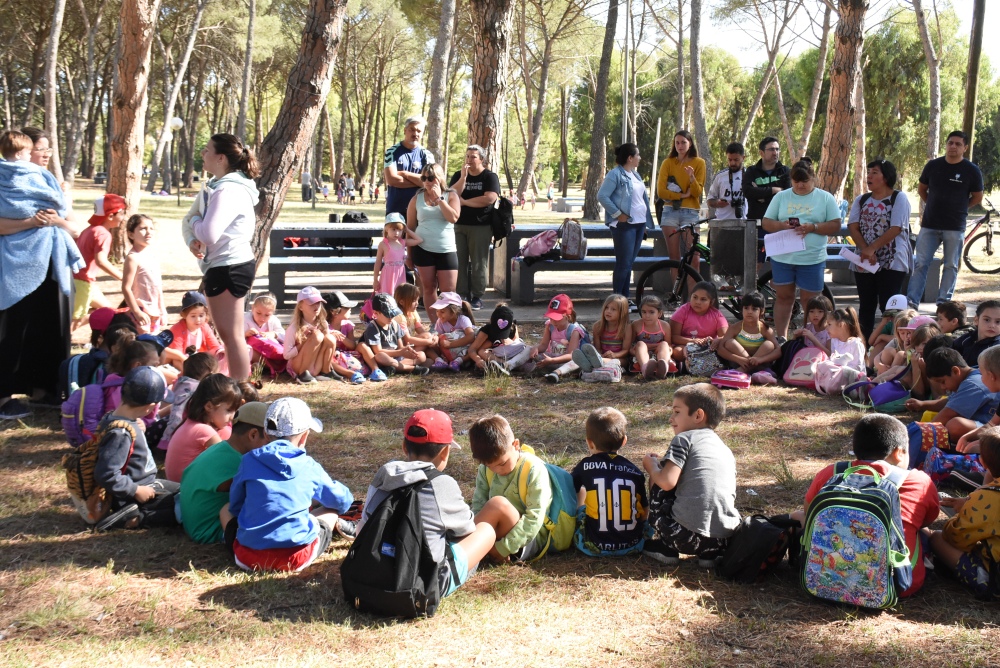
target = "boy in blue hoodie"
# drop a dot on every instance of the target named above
(272, 492)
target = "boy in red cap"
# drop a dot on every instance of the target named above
(94, 244)
(448, 521)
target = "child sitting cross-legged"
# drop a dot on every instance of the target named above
(989, 372)
(382, 344)
(692, 499)
(456, 329)
(497, 347)
(196, 368)
(612, 505)
(970, 404)
(519, 523)
(206, 481)
(268, 522)
(969, 545)
(749, 344)
(881, 441)
(206, 422)
(448, 522)
(125, 466)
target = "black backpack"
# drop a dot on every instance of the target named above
(353, 218)
(757, 546)
(501, 220)
(389, 569)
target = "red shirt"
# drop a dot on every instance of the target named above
(184, 338)
(91, 242)
(918, 506)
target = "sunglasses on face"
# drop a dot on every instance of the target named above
(428, 179)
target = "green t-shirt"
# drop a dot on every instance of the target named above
(200, 502)
(817, 207)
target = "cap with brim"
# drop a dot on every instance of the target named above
(503, 319)
(105, 207)
(338, 299)
(447, 299)
(395, 218)
(101, 318)
(436, 426)
(896, 303)
(161, 340)
(193, 298)
(145, 385)
(289, 416)
(386, 305)
(919, 321)
(309, 294)
(252, 413)
(559, 307)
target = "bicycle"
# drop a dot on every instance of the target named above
(980, 256)
(683, 275)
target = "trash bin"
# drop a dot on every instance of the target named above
(726, 241)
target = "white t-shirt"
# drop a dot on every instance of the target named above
(721, 189)
(853, 347)
(637, 210)
(272, 325)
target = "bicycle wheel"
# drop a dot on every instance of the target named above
(797, 319)
(661, 273)
(981, 256)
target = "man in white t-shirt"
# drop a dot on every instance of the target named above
(725, 194)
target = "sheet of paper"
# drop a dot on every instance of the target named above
(785, 241)
(854, 258)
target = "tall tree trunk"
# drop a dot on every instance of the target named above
(307, 89)
(175, 90)
(439, 79)
(563, 139)
(697, 90)
(192, 125)
(128, 107)
(342, 135)
(535, 128)
(681, 86)
(800, 149)
(934, 79)
(860, 137)
(780, 98)
(491, 27)
(329, 140)
(840, 111)
(81, 110)
(37, 69)
(765, 83)
(7, 115)
(241, 119)
(51, 87)
(598, 136)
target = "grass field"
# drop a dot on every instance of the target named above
(153, 598)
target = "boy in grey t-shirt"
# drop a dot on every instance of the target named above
(692, 500)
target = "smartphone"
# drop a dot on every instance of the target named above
(794, 222)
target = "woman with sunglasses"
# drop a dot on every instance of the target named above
(432, 214)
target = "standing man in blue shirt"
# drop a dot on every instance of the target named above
(949, 185)
(403, 162)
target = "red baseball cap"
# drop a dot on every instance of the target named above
(101, 318)
(559, 307)
(105, 207)
(436, 426)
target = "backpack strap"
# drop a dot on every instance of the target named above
(127, 427)
(840, 467)
(73, 373)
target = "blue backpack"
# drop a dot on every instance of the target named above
(79, 370)
(854, 549)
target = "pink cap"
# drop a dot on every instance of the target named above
(919, 321)
(309, 294)
(447, 299)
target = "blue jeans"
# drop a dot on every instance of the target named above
(627, 239)
(927, 244)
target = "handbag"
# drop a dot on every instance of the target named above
(702, 360)
(887, 396)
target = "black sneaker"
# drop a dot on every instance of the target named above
(118, 519)
(656, 550)
(348, 530)
(421, 370)
(476, 304)
(14, 409)
(305, 378)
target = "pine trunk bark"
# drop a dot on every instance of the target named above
(860, 137)
(681, 86)
(697, 90)
(564, 140)
(840, 111)
(51, 87)
(800, 149)
(241, 119)
(439, 80)
(934, 79)
(598, 136)
(491, 26)
(307, 90)
(535, 126)
(82, 110)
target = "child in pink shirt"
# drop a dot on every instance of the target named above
(699, 321)
(209, 412)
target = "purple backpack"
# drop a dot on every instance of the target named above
(83, 411)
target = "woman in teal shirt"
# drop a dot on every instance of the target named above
(814, 215)
(432, 215)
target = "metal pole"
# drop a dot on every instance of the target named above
(972, 74)
(628, 22)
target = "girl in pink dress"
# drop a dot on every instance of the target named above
(142, 283)
(390, 271)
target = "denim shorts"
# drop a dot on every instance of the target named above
(808, 277)
(676, 217)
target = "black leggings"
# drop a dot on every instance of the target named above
(874, 291)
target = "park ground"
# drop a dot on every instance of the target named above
(153, 598)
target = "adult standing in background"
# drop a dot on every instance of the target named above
(402, 166)
(725, 194)
(949, 185)
(680, 183)
(626, 211)
(879, 223)
(307, 181)
(764, 180)
(218, 230)
(478, 189)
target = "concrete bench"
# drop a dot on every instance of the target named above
(566, 204)
(278, 267)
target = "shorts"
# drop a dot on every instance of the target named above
(676, 217)
(808, 277)
(460, 574)
(292, 559)
(86, 292)
(439, 261)
(237, 278)
(531, 550)
(973, 572)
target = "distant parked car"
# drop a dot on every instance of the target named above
(100, 178)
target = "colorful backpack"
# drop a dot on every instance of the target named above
(923, 437)
(89, 498)
(574, 243)
(832, 376)
(883, 394)
(79, 370)
(702, 360)
(82, 412)
(731, 378)
(939, 464)
(854, 549)
(560, 520)
(802, 369)
(540, 244)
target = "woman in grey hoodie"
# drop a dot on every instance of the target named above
(218, 229)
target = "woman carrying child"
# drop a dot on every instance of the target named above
(698, 322)
(456, 329)
(142, 283)
(749, 344)
(651, 340)
(209, 412)
(309, 344)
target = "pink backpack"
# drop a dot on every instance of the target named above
(540, 244)
(833, 378)
(731, 378)
(802, 369)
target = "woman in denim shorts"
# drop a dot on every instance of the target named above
(680, 183)
(814, 215)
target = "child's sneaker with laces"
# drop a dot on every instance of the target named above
(656, 550)
(348, 530)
